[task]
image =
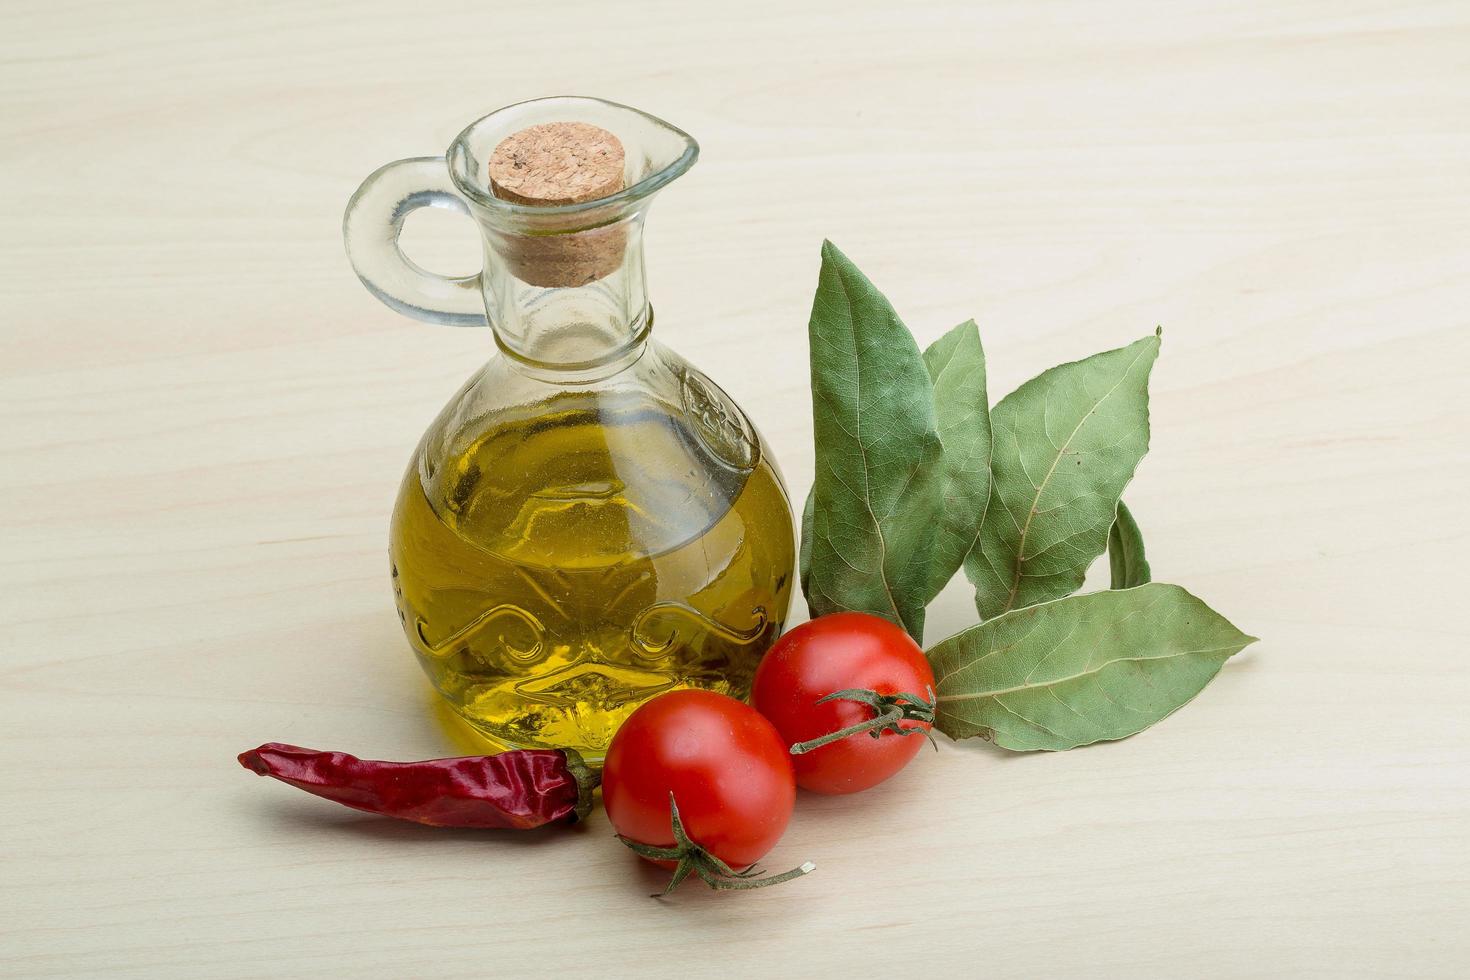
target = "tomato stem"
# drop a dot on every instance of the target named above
(696, 860)
(888, 711)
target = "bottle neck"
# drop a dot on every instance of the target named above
(568, 304)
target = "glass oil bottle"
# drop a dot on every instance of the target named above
(590, 521)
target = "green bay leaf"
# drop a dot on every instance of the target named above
(1064, 446)
(804, 555)
(876, 494)
(1125, 552)
(956, 364)
(1083, 669)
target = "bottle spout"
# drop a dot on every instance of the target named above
(559, 188)
(655, 153)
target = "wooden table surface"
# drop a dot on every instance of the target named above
(203, 418)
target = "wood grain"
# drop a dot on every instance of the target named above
(203, 418)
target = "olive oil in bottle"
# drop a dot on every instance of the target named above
(590, 521)
(570, 565)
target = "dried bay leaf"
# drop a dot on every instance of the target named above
(1064, 446)
(1125, 552)
(876, 497)
(1081, 669)
(956, 364)
(804, 555)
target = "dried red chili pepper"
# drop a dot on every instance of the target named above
(520, 789)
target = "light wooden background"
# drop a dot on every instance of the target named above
(203, 418)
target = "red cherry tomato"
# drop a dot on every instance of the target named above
(843, 651)
(728, 770)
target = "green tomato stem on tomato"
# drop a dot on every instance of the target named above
(889, 710)
(711, 870)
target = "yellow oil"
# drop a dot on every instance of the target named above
(582, 556)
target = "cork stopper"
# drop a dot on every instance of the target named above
(552, 164)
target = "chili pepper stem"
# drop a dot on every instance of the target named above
(889, 710)
(587, 782)
(694, 859)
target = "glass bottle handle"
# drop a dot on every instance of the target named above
(371, 227)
